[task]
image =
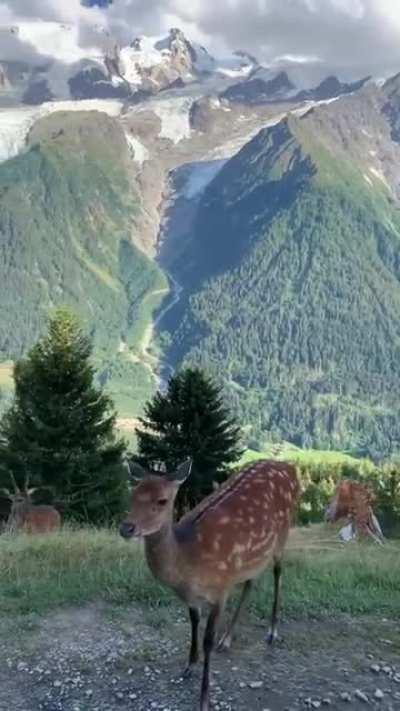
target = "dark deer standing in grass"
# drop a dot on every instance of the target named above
(353, 501)
(229, 538)
(25, 516)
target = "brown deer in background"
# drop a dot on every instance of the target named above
(229, 538)
(353, 501)
(25, 516)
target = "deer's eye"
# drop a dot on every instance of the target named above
(162, 502)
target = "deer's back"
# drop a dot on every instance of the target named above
(42, 519)
(234, 533)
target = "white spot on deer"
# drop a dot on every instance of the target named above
(225, 520)
(222, 566)
(238, 548)
(238, 563)
(265, 543)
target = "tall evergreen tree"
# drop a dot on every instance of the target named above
(59, 431)
(190, 420)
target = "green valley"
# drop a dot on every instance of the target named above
(67, 222)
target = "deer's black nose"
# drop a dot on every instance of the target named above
(127, 529)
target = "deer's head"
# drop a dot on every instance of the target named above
(152, 499)
(354, 500)
(20, 500)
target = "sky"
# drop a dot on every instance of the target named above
(351, 38)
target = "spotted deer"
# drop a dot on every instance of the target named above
(229, 538)
(353, 501)
(25, 516)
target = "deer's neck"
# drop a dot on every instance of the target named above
(162, 552)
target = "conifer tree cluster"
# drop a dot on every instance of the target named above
(59, 431)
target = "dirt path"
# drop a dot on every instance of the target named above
(100, 659)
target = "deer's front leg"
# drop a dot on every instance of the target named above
(194, 615)
(209, 644)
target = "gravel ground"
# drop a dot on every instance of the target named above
(99, 658)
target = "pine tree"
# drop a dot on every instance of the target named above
(190, 420)
(59, 430)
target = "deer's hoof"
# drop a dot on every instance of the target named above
(187, 673)
(272, 637)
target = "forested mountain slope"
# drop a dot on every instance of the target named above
(292, 277)
(67, 212)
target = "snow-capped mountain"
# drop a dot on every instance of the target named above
(60, 68)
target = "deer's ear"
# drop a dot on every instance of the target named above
(182, 473)
(136, 471)
(31, 491)
(6, 493)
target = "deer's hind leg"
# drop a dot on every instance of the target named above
(226, 639)
(273, 633)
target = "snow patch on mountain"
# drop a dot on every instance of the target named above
(141, 55)
(138, 151)
(174, 114)
(16, 123)
(380, 175)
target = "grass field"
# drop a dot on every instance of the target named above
(290, 453)
(72, 567)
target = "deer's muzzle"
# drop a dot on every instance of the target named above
(127, 529)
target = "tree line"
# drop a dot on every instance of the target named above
(60, 433)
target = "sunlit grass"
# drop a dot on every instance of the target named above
(289, 453)
(6, 374)
(321, 577)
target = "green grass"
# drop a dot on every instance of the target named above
(73, 567)
(290, 453)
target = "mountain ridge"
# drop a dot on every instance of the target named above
(297, 312)
(257, 237)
